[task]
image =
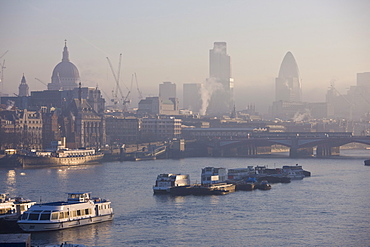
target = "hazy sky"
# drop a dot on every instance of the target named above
(169, 40)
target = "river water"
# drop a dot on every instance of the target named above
(330, 208)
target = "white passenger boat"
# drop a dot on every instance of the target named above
(165, 182)
(13, 207)
(80, 209)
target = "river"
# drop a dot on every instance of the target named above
(330, 208)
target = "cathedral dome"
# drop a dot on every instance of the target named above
(65, 75)
(65, 69)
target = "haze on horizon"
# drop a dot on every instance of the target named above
(170, 41)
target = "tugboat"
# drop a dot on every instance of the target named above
(79, 209)
(263, 185)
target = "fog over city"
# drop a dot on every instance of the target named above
(170, 41)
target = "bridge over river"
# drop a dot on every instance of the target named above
(300, 144)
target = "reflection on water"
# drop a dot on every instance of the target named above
(317, 211)
(10, 182)
(77, 235)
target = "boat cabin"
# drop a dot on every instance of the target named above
(213, 175)
(6, 206)
(240, 173)
(75, 152)
(79, 197)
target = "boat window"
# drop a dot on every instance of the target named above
(45, 216)
(61, 215)
(24, 216)
(87, 211)
(78, 212)
(4, 211)
(54, 216)
(74, 213)
(33, 216)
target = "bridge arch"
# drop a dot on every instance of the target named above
(299, 146)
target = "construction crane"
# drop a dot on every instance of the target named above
(41, 81)
(4, 54)
(351, 104)
(137, 87)
(126, 101)
(2, 69)
(116, 78)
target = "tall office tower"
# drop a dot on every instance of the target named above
(358, 96)
(363, 79)
(167, 90)
(288, 84)
(219, 84)
(192, 97)
(23, 89)
(65, 75)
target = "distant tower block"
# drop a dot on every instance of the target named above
(288, 83)
(220, 84)
(192, 97)
(23, 89)
(167, 90)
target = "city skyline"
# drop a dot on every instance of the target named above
(170, 42)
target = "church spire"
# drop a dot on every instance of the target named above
(23, 81)
(23, 89)
(65, 52)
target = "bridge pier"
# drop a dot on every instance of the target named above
(241, 151)
(326, 150)
(300, 152)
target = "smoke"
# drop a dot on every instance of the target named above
(300, 116)
(10, 105)
(207, 89)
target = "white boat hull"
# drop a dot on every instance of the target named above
(29, 161)
(52, 226)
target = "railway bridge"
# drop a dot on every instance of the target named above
(300, 144)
